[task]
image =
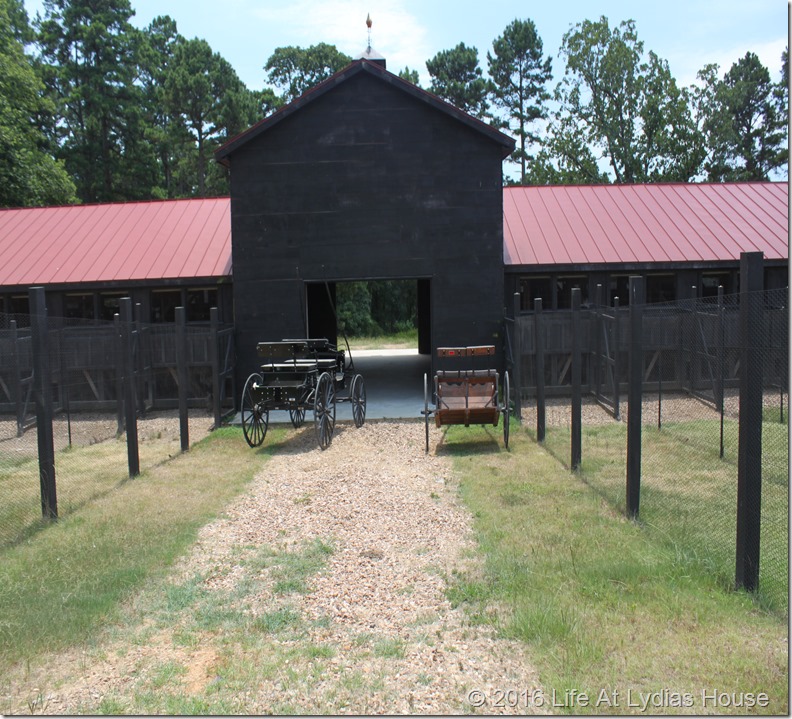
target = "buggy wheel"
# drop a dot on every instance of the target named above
(357, 396)
(324, 410)
(426, 409)
(506, 409)
(297, 416)
(255, 417)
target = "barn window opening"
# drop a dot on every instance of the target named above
(660, 288)
(164, 304)
(78, 307)
(199, 302)
(532, 288)
(110, 304)
(564, 287)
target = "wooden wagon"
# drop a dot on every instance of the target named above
(300, 375)
(465, 395)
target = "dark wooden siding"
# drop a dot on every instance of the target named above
(367, 182)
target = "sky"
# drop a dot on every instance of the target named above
(688, 34)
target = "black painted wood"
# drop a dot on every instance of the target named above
(367, 182)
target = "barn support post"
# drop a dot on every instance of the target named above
(577, 393)
(598, 325)
(214, 349)
(42, 393)
(749, 459)
(130, 396)
(540, 370)
(634, 398)
(183, 375)
(517, 350)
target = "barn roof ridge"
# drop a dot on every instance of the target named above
(354, 68)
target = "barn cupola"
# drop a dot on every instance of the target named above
(370, 53)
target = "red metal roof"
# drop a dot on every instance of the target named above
(172, 239)
(603, 224)
(561, 225)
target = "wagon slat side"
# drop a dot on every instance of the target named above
(468, 396)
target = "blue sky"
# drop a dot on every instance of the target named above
(408, 32)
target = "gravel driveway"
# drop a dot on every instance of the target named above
(391, 642)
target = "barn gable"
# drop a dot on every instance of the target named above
(366, 177)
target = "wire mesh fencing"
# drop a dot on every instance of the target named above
(88, 423)
(690, 434)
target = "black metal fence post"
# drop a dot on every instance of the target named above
(634, 399)
(577, 401)
(721, 390)
(540, 370)
(517, 349)
(183, 375)
(119, 367)
(16, 378)
(616, 363)
(214, 349)
(42, 393)
(749, 460)
(130, 396)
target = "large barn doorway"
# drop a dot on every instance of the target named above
(388, 327)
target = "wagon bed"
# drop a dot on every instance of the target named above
(467, 396)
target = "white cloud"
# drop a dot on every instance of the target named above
(396, 33)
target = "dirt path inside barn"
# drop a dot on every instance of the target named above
(321, 590)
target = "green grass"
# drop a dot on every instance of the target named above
(62, 583)
(599, 601)
(399, 340)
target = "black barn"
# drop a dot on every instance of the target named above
(366, 177)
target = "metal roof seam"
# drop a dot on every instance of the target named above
(673, 220)
(749, 187)
(596, 218)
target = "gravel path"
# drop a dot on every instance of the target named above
(392, 516)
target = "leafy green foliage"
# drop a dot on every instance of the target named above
(293, 70)
(747, 126)
(621, 108)
(29, 175)
(371, 309)
(457, 78)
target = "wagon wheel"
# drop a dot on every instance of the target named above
(357, 396)
(297, 416)
(506, 409)
(426, 409)
(255, 417)
(324, 410)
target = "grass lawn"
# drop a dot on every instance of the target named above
(602, 603)
(63, 581)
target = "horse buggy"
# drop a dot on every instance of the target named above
(301, 375)
(467, 394)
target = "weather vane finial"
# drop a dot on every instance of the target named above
(368, 25)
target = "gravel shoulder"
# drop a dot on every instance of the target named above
(373, 631)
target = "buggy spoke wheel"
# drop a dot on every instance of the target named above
(506, 409)
(357, 396)
(255, 417)
(324, 410)
(297, 416)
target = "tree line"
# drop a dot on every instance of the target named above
(94, 109)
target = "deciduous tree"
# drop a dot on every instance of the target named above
(29, 175)
(293, 70)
